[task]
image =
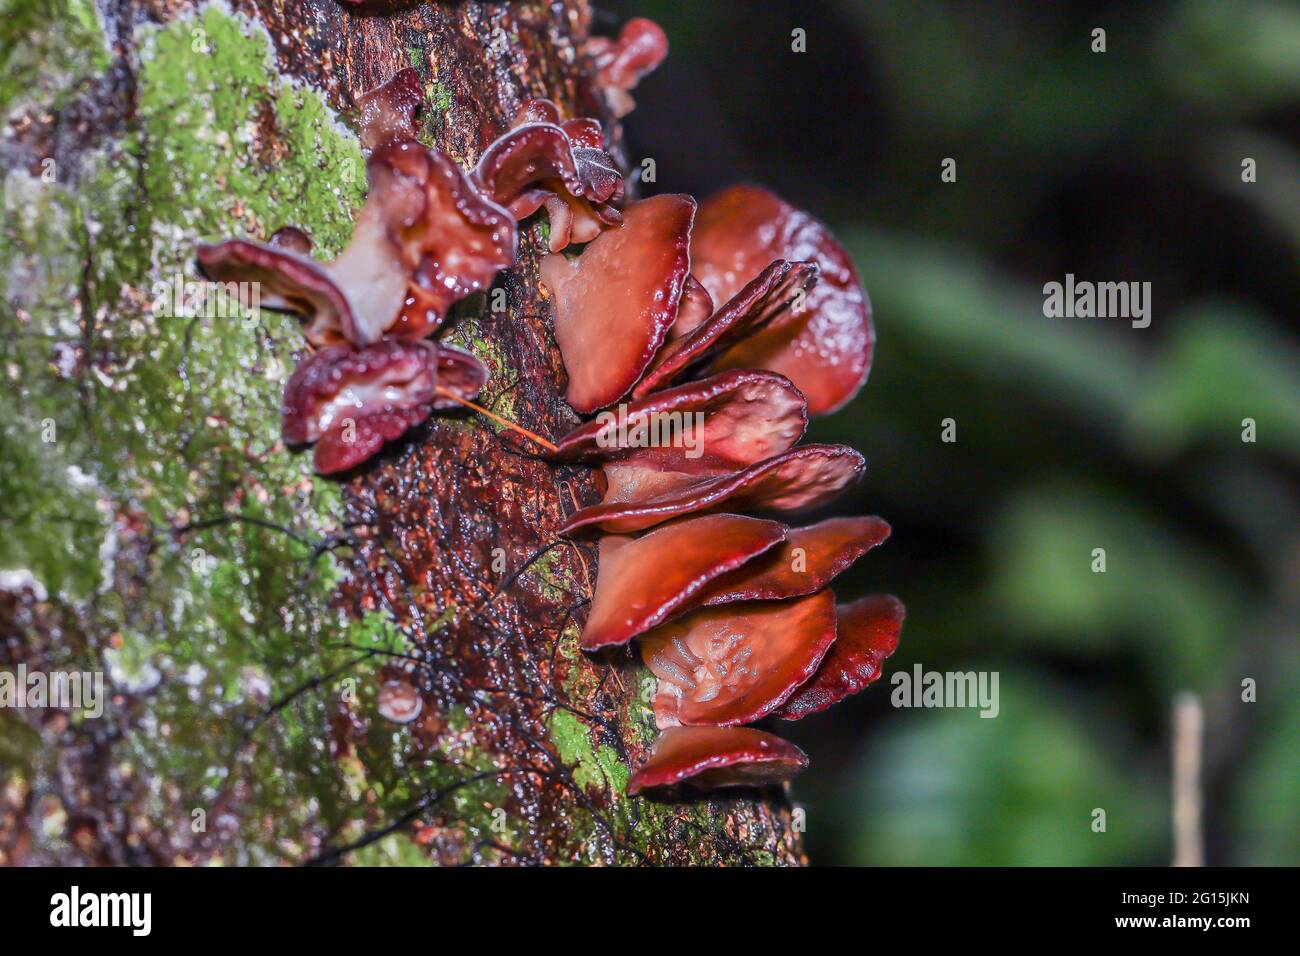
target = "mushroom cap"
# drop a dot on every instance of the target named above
(868, 633)
(748, 415)
(643, 580)
(713, 757)
(734, 664)
(459, 372)
(826, 347)
(288, 281)
(543, 153)
(342, 449)
(807, 561)
(388, 111)
(350, 401)
(424, 239)
(796, 480)
(562, 166)
(616, 301)
(752, 308)
(452, 239)
(621, 63)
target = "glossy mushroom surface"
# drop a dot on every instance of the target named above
(644, 580)
(734, 664)
(710, 758)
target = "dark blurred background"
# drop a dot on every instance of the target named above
(1072, 433)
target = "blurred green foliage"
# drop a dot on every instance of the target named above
(1072, 434)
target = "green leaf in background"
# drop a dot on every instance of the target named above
(949, 788)
(1222, 365)
(1160, 594)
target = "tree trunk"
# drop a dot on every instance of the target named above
(245, 612)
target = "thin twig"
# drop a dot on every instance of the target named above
(1189, 726)
(507, 423)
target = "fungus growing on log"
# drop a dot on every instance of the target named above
(868, 633)
(738, 663)
(621, 63)
(794, 481)
(727, 326)
(709, 427)
(646, 579)
(807, 561)
(616, 301)
(825, 346)
(562, 166)
(710, 758)
(350, 401)
(424, 239)
(749, 310)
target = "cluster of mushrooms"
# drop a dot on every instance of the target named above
(737, 318)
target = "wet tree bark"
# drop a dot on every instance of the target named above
(523, 747)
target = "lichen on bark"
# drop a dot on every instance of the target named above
(244, 610)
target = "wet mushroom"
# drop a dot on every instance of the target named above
(642, 581)
(399, 701)
(621, 63)
(734, 664)
(826, 343)
(744, 314)
(350, 401)
(807, 561)
(424, 239)
(627, 279)
(562, 166)
(794, 481)
(868, 633)
(709, 758)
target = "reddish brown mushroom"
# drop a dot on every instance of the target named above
(628, 280)
(695, 306)
(794, 481)
(562, 166)
(824, 347)
(424, 239)
(287, 281)
(350, 401)
(452, 239)
(709, 427)
(808, 560)
(388, 111)
(735, 664)
(712, 757)
(643, 580)
(693, 342)
(620, 64)
(868, 633)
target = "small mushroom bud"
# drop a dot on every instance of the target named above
(620, 64)
(712, 757)
(388, 111)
